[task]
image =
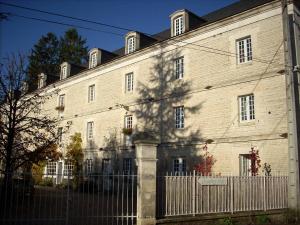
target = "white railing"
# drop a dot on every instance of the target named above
(191, 194)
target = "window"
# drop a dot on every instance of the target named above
(179, 165)
(93, 60)
(64, 72)
(178, 25)
(51, 168)
(179, 65)
(245, 165)
(89, 166)
(247, 108)
(61, 101)
(128, 122)
(90, 130)
(244, 48)
(68, 168)
(59, 134)
(130, 44)
(91, 96)
(127, 166)
(179, 117)
(129, 82)
(106, 166)
(41, 82)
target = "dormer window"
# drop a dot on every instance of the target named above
(93, 59)
(178, 25)
(183, 21)
(130, 44)
(42, 80)
(64, 70)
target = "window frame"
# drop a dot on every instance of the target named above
(68, 168)
(91, 93)
(90, 130)
(245, 164)
(129, 82)
(128, 122)
(89, 166)
(179, 117)
(93, 59)
(51, 168)
(64, 72)
(246, 108)
(244, 50)
(60, 135)
(178, 25)
(61, 100)
(179, 165)
(127, 166)
(131, 44)
(179, 68)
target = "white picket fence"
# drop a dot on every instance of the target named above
(192, 194)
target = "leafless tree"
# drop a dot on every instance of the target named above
(27, 136)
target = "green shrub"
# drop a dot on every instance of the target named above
(47, 182)
(262, 219)
(225, 221)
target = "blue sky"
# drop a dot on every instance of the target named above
(152, 16)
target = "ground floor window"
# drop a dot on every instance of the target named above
(89, 166)
(68, 168)
(245, 165)
(179, 165)
(106, 166)
(51, 168)
(127, 165)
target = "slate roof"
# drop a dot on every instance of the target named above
(227, 11)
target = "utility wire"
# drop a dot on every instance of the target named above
(64, 24)
(127, 29)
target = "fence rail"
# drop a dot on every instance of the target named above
(192, 194)
(94, 199)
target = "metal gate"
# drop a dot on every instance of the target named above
(85, 200)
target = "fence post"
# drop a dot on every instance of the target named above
(231, 194)
(194, 192)
(265, 195)
(146, 152)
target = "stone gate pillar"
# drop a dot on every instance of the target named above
(146, 156)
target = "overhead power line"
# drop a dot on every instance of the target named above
(228, 53)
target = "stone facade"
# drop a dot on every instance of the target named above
(212, 83)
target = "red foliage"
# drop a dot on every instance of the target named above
(206, 164)
(255, 161)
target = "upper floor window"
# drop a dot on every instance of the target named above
(246, 109)
(244, 48)
(130, 44)
(93, 59)
(128, 122)
(91, 96)
(178, 25)
(90, 130)
(129, 82)
(41, 82)
(59, 134)
(179, 117)
(61, 101)
(127, 165)
(179, 68)
(179, 165)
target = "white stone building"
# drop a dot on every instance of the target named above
(216, 79)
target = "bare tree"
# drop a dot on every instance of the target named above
(26, 135)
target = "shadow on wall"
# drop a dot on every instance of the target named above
(155, 113)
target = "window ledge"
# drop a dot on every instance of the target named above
(247, 123)
(249, 63)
